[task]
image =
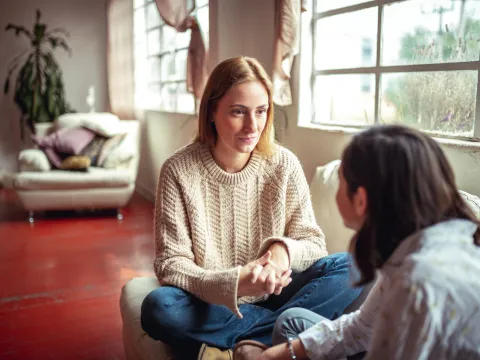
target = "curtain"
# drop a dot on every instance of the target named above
(287, 38)
(177, 13)
(120, 66)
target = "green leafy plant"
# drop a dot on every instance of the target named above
(39, 88)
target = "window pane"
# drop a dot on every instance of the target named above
(139, 27)
(436, 32)
(345, 99)
(168, 67)
(442, 101)
(153, 42)
(201, 3)
(202, 16)
(347, 40)
(169, 97)
(138, 3)
(325, 5)
(181, 65)
(185, 100)
(140, 49)
(168, 38)
(154, 66)
(183, 39)
(153, 16)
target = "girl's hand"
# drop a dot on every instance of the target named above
(281, 352)
(249, 283)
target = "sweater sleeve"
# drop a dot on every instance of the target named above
(175, 261)
(303, 238)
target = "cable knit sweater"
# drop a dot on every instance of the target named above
(209, 223)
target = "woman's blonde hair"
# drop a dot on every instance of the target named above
(226, 75)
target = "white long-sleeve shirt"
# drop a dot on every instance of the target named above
(425, 304)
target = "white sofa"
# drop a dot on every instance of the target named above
(97, 188)
(138, 346)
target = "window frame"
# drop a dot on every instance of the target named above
(162, 54)
(379, 69)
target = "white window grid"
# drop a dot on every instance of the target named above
(378, 70)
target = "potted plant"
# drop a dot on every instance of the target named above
(39, 88)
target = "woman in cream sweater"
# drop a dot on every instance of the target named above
(236, 238)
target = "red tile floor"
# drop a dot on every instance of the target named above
(61, 279)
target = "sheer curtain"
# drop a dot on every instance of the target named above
(120, 66)
(178, 14)
(287, 33)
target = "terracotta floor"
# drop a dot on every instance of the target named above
(61, 279)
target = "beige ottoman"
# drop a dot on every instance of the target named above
(138, 345)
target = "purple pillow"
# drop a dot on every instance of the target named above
(67, 141)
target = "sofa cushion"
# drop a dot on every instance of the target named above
(33, 160)
(473, 201)
(323, 189)
(108, 147)
(103, 123)
(121, 156)
(68, 180)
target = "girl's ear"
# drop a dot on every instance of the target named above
(360, 202)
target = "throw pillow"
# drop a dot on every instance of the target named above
(76, 162)
(121, 156)
(93, 149)
(33, 160)
(69, 140)
(64, 142)
(107, 126)
(109, 145)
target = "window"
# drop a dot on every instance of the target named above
(414, 62)
(160, 56)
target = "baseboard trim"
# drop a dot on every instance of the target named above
(145, 192)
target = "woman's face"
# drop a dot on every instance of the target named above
(240, 117)
(352, 209)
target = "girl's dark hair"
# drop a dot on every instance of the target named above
(410, 186)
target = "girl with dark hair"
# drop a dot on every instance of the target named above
(397, 191)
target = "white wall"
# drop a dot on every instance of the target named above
(86, 22)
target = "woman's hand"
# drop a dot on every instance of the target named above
(279, 263)
(250, 284)
(281, 352)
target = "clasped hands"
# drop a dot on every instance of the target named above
(267, 275)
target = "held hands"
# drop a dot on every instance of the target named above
(266, 275)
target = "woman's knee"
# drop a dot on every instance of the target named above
(338, 261)
(160, 309)
(293, 322)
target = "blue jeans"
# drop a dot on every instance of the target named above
(183, 321)
(294, 321)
